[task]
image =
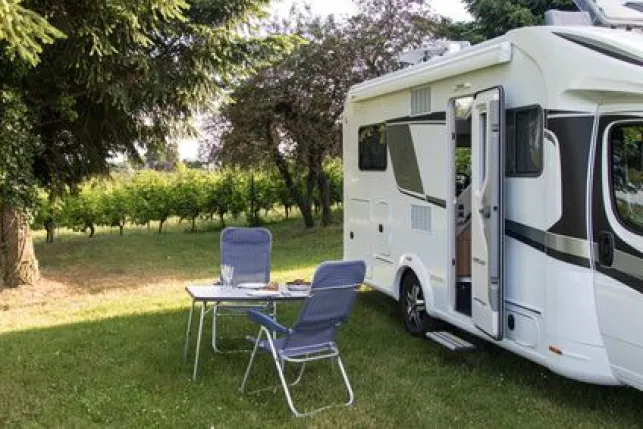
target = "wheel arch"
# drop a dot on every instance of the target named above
(411, 263)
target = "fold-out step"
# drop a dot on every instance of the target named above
(450, 341)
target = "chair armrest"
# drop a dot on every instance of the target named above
(267, 322)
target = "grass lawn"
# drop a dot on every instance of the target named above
(99, 344)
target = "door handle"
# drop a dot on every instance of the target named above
(485, 212)
(381, 228)
(606, 249)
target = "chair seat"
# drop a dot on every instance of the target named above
(295, 352)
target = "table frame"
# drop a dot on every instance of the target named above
(217, 295)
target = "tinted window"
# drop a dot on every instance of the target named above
(626, 141)
(372, 148)
(524, 142)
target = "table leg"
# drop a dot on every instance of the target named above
(198, 342)
(274, 316)
(187, 334)
(215, 311)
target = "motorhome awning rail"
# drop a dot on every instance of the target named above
(441, 68)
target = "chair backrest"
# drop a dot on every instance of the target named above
(248, 251)
(333, 293)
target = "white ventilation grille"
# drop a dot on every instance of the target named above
(420, 218)
(420, 101)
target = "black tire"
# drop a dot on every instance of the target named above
(416, 320)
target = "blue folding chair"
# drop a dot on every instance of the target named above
(312, 337)
(248, 251)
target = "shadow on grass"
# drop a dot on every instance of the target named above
(128, 372)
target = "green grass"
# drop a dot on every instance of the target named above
(99, 344)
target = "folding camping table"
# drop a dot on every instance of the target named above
(217, 295)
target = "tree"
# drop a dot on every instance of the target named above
(114, 206)
(291, 112)
(494, 18)
(82, 210)
(150, 198)
(188, 194)
(18, 149)
(125, 74)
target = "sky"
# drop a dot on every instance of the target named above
(453, 9)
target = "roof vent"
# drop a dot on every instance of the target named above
(560, 18)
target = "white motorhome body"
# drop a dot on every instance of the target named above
(545, 258)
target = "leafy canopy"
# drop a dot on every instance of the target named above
(494, 18)
(126, 75)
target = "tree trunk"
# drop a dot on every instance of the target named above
(194, 224)
(282, 166)
(50, 227)
(222, 221)
(324, 196)
(17, 257)
(92, 230)
(120, 229)
(310, 188)
(161, 226)
(287, 208)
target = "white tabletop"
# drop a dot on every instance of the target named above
(212, 293)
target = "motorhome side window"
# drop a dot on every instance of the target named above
(372, 148)
(524, 142)
(626, 142)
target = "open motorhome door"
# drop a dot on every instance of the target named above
(487, 211)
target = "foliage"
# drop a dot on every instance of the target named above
(188, 194)
(127, 74)
(150, 198)
(24, 32)
(18, 147)
(83, 209)
(463, 161)
(114, 206)
(153, 196)
(335, 171)
(494, 18)
(291, 112)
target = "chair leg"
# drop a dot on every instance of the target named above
(187, 334)
(301, 374)
(282, 378)
(351, 396)
(198, 343)
(250, 362)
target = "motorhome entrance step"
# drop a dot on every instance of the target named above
(450, 341)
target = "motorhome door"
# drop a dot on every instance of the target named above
(487, 213)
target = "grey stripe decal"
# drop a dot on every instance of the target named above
(404, 159)
(531, 236)
(576, 251)
(435, 201)
(627, 264)
(568, 245)
(557, 246)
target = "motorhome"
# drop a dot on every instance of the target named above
(498, 189)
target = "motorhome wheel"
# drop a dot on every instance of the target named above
(416, 320)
